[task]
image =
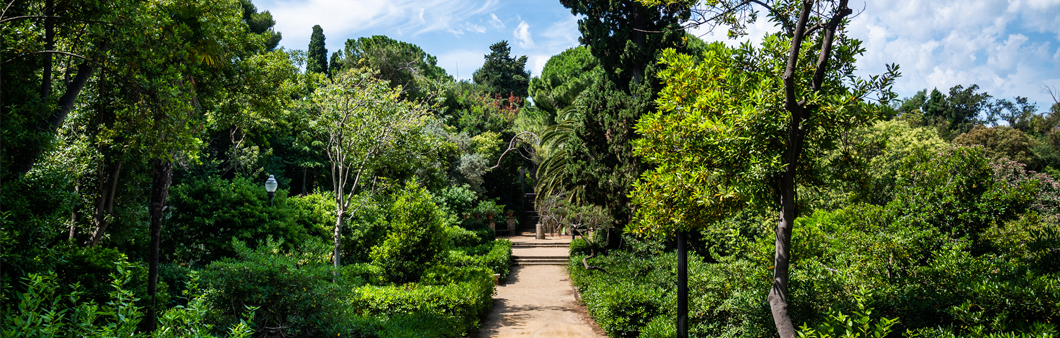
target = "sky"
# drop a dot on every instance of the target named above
(1009, 48)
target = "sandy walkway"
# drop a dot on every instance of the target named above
(538, 301)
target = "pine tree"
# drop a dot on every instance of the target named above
(318, 54)
(503, 74)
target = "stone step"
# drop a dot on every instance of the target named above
(540, 245)
(539, 260)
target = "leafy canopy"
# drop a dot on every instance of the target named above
(719, 134)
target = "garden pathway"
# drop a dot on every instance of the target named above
(538, 300)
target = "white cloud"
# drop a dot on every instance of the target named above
(941, 44)
(495, 22)
(341, 18)
(522, 35)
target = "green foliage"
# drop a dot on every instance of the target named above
(318, 53)
(502, 74)
(495, 255)
(717, 152)
(864, 165)
(415, 240)
(292, 291)
(856, 325)
(1001, 142)
(960, 250)
(456, 200)
(565, 76)
(471, 233)
(206, 214)
(448, 302)
(952, 114)
(401, 64)
(44, 310)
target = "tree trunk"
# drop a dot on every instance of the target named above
(778, 293)
(162, 178)
(105, 203)
(338, 238)
(73, 213)
(66, 103)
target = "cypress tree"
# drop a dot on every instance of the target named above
(318, 54)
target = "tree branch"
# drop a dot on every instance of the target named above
(21, 17)
(511, 146)
(790, 101)
(48, 52)
(826, 44)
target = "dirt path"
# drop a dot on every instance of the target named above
(538, 301)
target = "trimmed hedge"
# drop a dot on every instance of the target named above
(496, 255)
(449, 300)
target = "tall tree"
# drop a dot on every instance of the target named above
(564, 77)
(397, 62)
(763, 109)
(503, 74)
(261, 23)
(318, 53)
(364, 125)
(625, 37)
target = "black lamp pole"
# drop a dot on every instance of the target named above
(682, 284)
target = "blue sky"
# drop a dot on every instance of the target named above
(1008, 48)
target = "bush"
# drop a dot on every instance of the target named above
(416, 238)
(496, 255)
(579, 246)
(965, 248)
(42, 311)
(292, 291)
(462, 237)
(448, 302)
(205, 214)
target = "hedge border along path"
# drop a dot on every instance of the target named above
(538, 301)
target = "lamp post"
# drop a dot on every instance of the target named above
(270, 186)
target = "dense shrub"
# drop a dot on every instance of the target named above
(462, 237)
(496, 255)
(362, 231)
(416, 238)
(205, 214)
(448, 302)
(292, 291)
(457, 200)
(966, 247)
(579, 246)
(44, 311)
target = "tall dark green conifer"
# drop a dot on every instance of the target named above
(503, 74)
(318, 54)
(601, 154)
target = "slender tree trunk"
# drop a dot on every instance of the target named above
(162, 178)
(66, 103)
(338, 238)
(105, 203)
(73, 214)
